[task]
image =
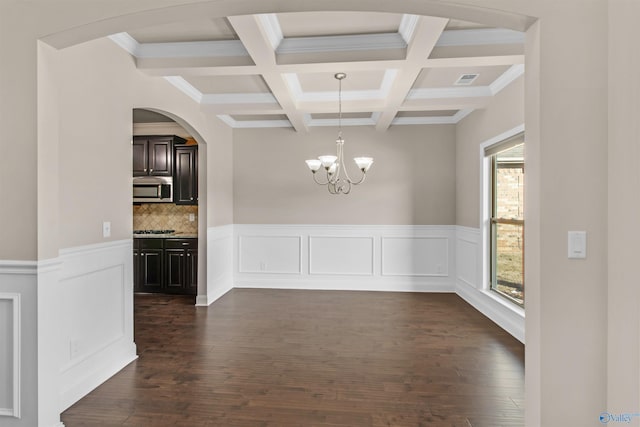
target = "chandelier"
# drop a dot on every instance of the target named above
(337, 179)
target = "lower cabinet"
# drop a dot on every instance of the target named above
(181, 257)
(165, 265)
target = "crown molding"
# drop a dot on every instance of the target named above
(357, 42)
(272, 29)
(249, 124)
(126, 42)
(185, 87)
(408, 26)
(480, 36)
(506, 78)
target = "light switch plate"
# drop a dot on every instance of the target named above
(106, 229)
(577, 244)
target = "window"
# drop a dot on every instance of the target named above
(506, 218)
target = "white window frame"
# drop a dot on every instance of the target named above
(485, 215)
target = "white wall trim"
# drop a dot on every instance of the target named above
(18, 267)
(14, 411)
(95, 248)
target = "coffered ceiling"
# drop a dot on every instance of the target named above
(276, 70)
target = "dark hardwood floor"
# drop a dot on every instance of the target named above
(312, 358)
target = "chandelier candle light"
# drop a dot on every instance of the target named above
(334, 165)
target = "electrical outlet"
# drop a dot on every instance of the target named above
(263, 266)
(106, 229)
(192, 217)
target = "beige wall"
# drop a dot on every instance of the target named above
(624, 208)
(504, 112)
(95, 141)
(412, 180)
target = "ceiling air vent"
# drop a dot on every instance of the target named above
(466, 79)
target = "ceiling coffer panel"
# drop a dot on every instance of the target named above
(277, 69)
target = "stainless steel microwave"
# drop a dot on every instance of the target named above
(153, 189)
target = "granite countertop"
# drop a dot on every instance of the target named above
(177, 235)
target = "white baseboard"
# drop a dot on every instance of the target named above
(508, 318)
(344, 284)
(95, 377)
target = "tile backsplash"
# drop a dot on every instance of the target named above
(165, 216)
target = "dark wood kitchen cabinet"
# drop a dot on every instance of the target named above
(165, 265)
(185, 176)
(153, 155)
(181, 258)
(148, 265)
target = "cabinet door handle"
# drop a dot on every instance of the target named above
(192, 198)
(184, 243)
(188, 254)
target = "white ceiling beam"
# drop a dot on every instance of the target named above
(426, 34)
(197, 67)
(233, 109)
(257, 42)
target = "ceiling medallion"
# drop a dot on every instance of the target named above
(334, 165)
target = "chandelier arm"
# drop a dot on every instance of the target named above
(315, 178)
(364, 175)
(347, 185)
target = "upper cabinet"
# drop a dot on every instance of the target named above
(153, 155)
(185, 177)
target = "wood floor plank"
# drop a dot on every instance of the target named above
(312, 358)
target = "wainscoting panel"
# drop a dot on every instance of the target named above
(269, 254)
(18, 343)
(346, 257)
(467, 256)
(341, 255)
(10, 333)
(96, 316)
(219, 265)
(415, 256)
